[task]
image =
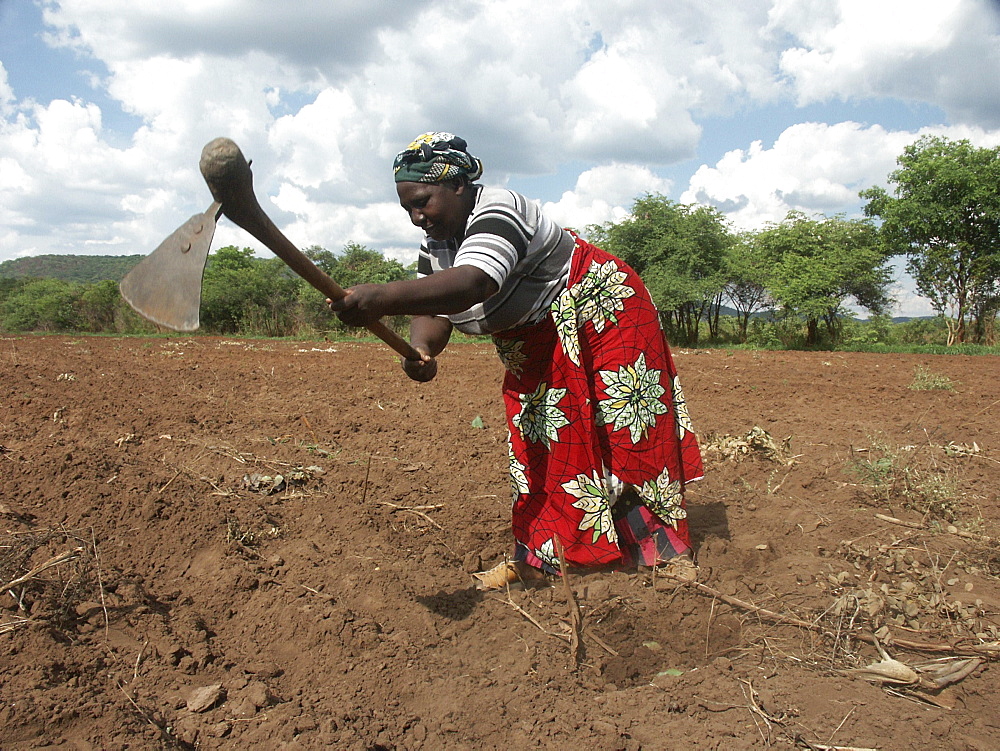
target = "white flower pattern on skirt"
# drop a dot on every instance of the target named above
(633, 398)
(592, 498)
(540, 417)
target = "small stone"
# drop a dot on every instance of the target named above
(204, 698)
(264, 669)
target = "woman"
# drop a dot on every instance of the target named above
(601, 444)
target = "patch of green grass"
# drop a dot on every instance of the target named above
(894, 477)
(927, 380)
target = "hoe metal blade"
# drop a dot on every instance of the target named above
(166, 286)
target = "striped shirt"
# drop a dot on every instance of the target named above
(521, 249)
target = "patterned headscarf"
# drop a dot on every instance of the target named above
(436, 158)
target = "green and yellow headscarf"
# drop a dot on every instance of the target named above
(436, 158)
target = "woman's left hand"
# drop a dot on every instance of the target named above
(363, 305)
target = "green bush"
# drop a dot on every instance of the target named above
(42, 305)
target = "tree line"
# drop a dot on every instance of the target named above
(791, 283)
(943, 216)
(240, 295)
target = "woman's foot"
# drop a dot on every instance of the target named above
(506, 573)
(680, 567)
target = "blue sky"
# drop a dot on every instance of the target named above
(756, 107)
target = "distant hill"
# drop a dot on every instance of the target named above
(70, 268)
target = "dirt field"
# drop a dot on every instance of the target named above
(205, 602)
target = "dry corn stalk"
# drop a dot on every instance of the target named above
(69, 555)
(932, 675)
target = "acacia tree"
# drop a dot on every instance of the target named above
(944, 215)
(356, 264)
(679, 252)
(820, 263)
(244, 294)
(747, 271)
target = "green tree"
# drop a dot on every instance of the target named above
(42, 305)
(356, 264)
(679, 251)
(360, 265)
(244, 294)
(748, 268)
(98, 306)
(821, 263)
(323, 258)
(944, 215)
(10, 286)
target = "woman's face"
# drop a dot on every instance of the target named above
(439, 209)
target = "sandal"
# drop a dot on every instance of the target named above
(506, 573)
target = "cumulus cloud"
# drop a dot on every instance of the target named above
(604, 194)
(322, 95)
(947, 53)
(811, 167)
(314, 36)
(6, 92)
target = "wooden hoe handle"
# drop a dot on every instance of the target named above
(230, 179)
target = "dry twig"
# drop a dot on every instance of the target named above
(69, 555)
(531, 619)
(418, 510)
(6, 628)
(991, 650)
(950, 529)
(316, 592)
(100, 583)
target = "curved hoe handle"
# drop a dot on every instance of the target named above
(230, 179)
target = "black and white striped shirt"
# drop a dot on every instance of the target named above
(521, 249)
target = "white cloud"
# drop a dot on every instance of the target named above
(6, 93)
(311, 34)
(943, 51)
(322, 94)
(604, 194)
(812, 168)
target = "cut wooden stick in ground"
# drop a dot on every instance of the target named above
(990, 651)
(311, 431)
(100, 581)
(575, 617)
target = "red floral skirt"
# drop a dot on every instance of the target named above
(601, 443)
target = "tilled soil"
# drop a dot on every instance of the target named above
(264, 544)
